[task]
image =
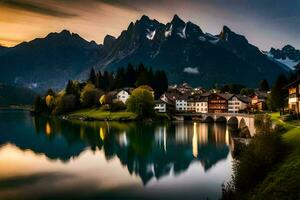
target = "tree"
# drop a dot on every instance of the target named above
(264, 86)
(278, 93)
(160, 85)
(92, 77)
(232, 88)
(49, 100)
(69, 87)
(89, 96)
(39, 105)
(247, 91)
(50, 92)
(73, 89)
(98, 80)
(141, 102)
(130, 76)
(65, 104)
(119, 80)
(142, 76)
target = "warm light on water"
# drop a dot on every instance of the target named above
(85, 161)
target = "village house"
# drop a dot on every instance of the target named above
(191, 105)
(123, 94)
(238, 103)
(218, 103)
(201, 104)
(259, 100)
(293, 98)
(160, 106)
(181, 103)
(169, 97)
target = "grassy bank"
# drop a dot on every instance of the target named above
(96, 114)
(284, 181)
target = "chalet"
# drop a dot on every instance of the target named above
(123, 94)
(258, 100)
(294, 96)
(238, 103)
(160, 106)
(218, 103)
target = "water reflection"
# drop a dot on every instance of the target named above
(149, 151)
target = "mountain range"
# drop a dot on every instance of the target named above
(181, 48)
(288, 55)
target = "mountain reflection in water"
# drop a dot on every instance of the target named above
(148, 151)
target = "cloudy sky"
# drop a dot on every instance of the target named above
(265, 23)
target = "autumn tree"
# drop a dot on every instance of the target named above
(141, 102)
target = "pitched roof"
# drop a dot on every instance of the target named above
(243, 98)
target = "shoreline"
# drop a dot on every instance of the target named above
(17, 107)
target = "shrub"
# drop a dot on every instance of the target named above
(117, 106)
(259, 157)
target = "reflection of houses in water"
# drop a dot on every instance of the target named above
(160, 135)
(148, 151)
(48, 128)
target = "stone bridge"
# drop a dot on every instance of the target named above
(239, 119)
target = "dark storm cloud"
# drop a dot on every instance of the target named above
(35, 7)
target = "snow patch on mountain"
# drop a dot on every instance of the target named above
(182, 34)
(169, 31)
(191, 70)
(288, 62)
(150, 35)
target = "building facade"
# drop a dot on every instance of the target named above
(181, 104)
(218, 103)
(160, 106)
(294, 96)
(202, 105)
(238, 103)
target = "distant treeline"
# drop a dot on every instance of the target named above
(98, 86)
(130, 77)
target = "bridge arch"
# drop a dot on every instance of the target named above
(209, 119)
(233, 121)
(221, 119)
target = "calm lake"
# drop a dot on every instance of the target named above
(46, 158)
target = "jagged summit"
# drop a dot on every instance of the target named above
(175, 47)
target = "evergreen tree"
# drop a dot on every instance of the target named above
(142, 76)
(119, 79)
(278, 93)
(105, 81)
(150, 78)
(98, 80)
(160, 83)
(69, 88)
(92, 77)
(264, 86)
(130, 76)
